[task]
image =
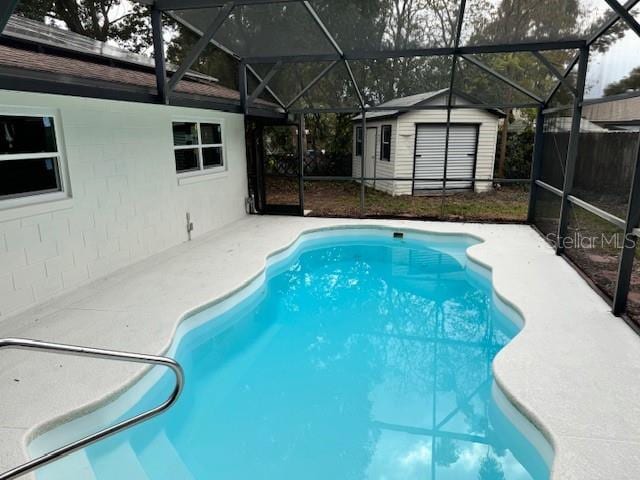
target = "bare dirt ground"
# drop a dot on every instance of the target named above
(342, 199)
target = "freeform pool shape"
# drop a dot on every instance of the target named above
(356, 355)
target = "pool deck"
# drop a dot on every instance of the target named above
(574, 370)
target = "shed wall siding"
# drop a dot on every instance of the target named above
(126, 202)
(383, 168)
(406, 141)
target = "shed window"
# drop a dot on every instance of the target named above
(198, 147)
(385, 143)
(358, 141)
(29, 156)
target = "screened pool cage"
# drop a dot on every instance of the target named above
(350, 57)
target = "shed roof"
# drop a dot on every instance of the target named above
(404, 104)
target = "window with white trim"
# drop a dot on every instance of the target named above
(30, 161)
(358, 141)
(385, 143)
(197, 147)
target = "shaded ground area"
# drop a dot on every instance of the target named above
(342, 199)
(595, 247)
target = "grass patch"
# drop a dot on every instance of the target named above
(342, 199)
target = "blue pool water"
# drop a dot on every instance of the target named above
(360, 357)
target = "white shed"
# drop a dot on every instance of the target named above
(404, 143)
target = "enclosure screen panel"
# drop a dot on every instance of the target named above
(387, 25)
(263, 29)
(506, 21)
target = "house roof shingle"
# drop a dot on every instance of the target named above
(95, 61)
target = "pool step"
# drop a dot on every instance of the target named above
(161, 460)
(76, 466)
(120, 462)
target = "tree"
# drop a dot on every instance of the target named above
(100, 20)
(490, 469)
(629, 83)
(513, 21)
(92, 18)
(213, 61)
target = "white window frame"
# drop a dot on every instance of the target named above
(64, 192)
(382, 142)
(202, 170)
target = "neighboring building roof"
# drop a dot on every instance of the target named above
(563, 124)
(67, 54)
(415, 100)
(616, 111)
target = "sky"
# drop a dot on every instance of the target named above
(613, 65)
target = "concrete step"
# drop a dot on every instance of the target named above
(161, 460)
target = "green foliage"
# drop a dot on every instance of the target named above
(361, 25)
(95, 19)
(519, 153)
(629, 83)
(329, 132)
(490, 469)
(213, 61)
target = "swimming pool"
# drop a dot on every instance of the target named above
(357, 355)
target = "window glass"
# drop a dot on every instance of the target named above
(31, 176)
(212, 157)
(197, 146)
(385, 151)
(185, 133)
(29, 158)
(187, 159)
(358, 141)
(26, 135)
(211, 133)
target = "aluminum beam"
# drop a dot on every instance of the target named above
(502, 78)
(536, 165)
(200, 45)
(625, 266)
(608, 24)
(625, 15)
(422, 52)
(301, 151)
(572, 151)
(336, 47)
(257, 76)
(363, 163)
(6, 10)
(199, 32)
(485, 106)
(191, 4)
(242, 85)
(549, 188)
(158, 55)
(554, 71)
(311, 84)
(454, 63)
(260, 88)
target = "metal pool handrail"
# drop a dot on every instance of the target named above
(27, 344)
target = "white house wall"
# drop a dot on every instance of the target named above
(406, 132)
(126, 201)
(384, 168)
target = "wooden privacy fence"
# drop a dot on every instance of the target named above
(604, 165)
(606, 161)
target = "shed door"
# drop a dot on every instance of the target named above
(429, 156)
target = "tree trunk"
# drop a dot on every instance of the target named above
(503, 144)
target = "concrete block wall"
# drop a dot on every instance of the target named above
(125, 200)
